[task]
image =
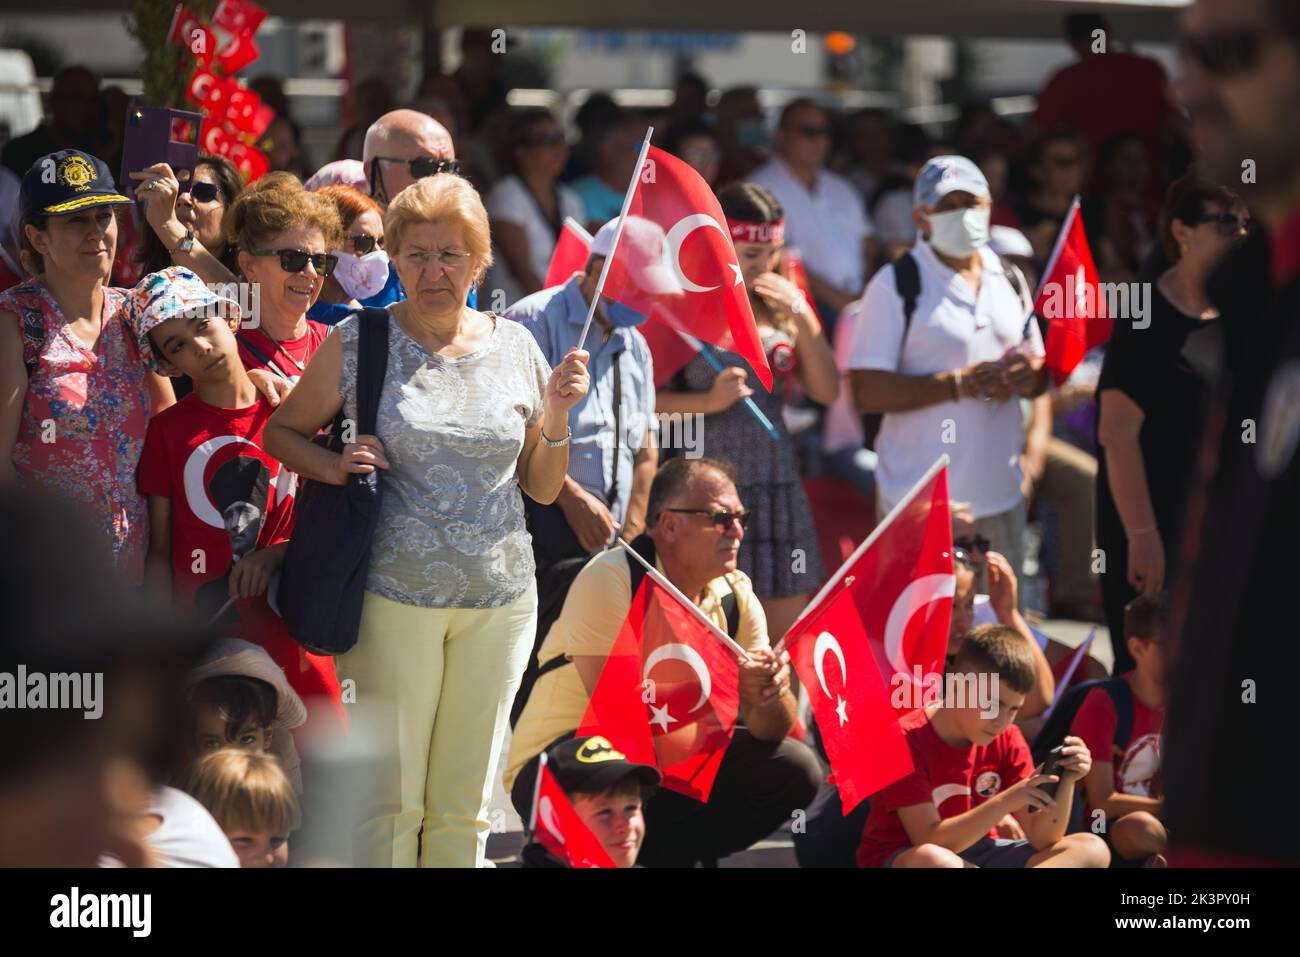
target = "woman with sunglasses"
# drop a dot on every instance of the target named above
(471, 419)
(199, 210)
(77, 398)
(1154, 387)
(529, 205)
(767, 469)
(363, 267)
(284, 235)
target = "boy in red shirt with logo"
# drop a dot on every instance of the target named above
(972, 768)
(220, 509)
(1124, 783)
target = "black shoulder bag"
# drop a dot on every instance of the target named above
(323, 582)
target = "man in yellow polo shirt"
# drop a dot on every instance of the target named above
(695, 524)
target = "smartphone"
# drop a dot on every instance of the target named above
(1052, 765)
(160, 135)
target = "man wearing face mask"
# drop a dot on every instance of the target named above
(944, 350)
(612, 454)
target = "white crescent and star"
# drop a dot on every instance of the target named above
(196, 492)
(673, 249)
(826, 642)
(676, 651)
(922, 592)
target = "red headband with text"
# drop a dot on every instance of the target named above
(744, 231)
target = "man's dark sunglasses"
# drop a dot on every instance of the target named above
(363, 245)
(295, 260)
(1225, 223)
(1225, 52)
(203, 192)
(973, 543)
(721, 518)
(423, 166)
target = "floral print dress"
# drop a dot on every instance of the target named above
(84, 417)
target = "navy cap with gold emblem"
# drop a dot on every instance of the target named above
(589, 765)
(67, 182)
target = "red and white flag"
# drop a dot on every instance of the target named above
(668, 693)
(858, 726)
(1070, 299)
(570, 253)
(560, 829)
(691, 281)
(901, 583)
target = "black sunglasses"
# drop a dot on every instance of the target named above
(1225, 52)
(362, 245)
(973, 543)
(203, 192)
(295, 260)
(423, 166)
(1225, 223)
(721, 517)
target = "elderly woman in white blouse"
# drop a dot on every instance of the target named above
(470, 415)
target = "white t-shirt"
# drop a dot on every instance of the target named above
(828, 224)
(510, 202)
(951, 328)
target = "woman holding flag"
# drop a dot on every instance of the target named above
(783, 558)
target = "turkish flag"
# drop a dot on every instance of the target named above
(1070, 300)
(857, 724)
(184, 24)
(559, 828)
(798, 275)
(249, 160)
(241, 106)
(238, 17)
(215, 138)
(676, 263)
(237, 53)
(570, 253)
(207, 90)
(901, 582)
(668, 693)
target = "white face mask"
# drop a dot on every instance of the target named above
(362, 276)
(959, 232)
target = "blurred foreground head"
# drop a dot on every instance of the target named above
(91, 681)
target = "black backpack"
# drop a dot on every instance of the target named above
(552, 589)
(907, 281)
(1057, 726)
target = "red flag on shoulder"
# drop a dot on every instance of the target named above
(570, 253)
(850, 700)
(560, 829)
(1070, 299)
(668, 694)
(676, 263)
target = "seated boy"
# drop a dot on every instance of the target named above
(972, 768)
(1124, 782)
(248, 795)
(220, 509)
(606, 790)
(239, 698)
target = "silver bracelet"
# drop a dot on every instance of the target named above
(555, 443)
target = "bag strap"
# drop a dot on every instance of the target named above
(611, 496)
(1122, 697)
(372, 365)
(247, 343)
(907, 281)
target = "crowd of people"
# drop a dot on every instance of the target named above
(403, 343)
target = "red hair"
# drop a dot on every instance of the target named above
(351, 202)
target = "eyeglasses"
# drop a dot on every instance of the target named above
(721, 518)
(1226, 52)
(295, 260)
(423, 166)
(973, 543)
(1225, 223)
(363, 245)
(203, 192)
(812, 131)
(448, 258)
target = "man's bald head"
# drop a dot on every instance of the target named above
(402, 135)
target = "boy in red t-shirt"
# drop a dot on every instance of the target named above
(972, 767)
(1124, 783)
(220, 509)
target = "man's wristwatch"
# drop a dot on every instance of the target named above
(186, 244)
